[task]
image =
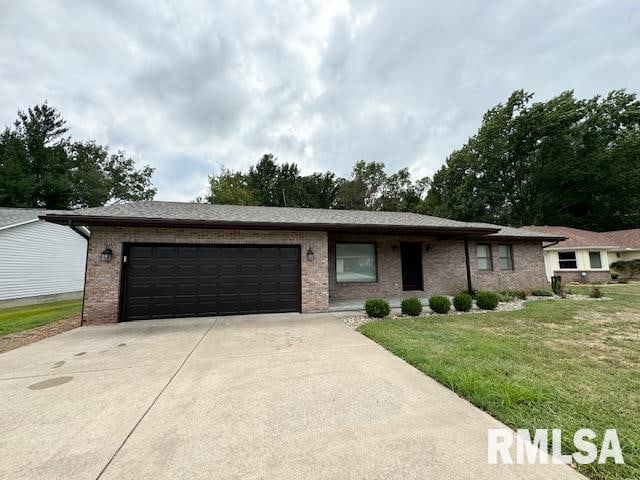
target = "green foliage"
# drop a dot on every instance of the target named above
(627, 268)
(623, 280)
(595, 292)
(41, 167)
(439, 304)
(541, 292)
(556, 284)
(522, 294)
(230, 188)
(566, 161)
(487, 300)
(269, 183)
(377, 308)
(463, 302)
(508, 295)
(411, 306)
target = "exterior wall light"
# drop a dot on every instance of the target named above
(106, 255)
(310, 255)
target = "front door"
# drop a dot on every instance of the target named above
(411, 257)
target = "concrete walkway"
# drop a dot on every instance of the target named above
(287, 396)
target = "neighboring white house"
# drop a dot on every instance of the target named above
(585, 255)
(39, 259)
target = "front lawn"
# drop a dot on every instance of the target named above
(17, 319)
(554, 364)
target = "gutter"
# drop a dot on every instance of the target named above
(553, 243)
(332, 227)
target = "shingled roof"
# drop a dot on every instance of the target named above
(10, 217)
(575, 237)
(152, 213)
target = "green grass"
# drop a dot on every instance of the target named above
(554, 364)
(17, 319)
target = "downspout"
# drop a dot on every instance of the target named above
(82, 233)
(86, 263)
(468, 265)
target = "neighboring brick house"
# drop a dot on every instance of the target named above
(586, 256)
(164, 259)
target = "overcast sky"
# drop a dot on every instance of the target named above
(192, 86)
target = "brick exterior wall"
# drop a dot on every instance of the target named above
(443, 267)
(102, 283)
(601, 276)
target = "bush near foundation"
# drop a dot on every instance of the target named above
(439, 304)
(377, 308)
(487, 300)
(463, 302)
(411, 306)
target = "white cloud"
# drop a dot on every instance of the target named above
(191, 87)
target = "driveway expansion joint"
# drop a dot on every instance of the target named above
(162, 390)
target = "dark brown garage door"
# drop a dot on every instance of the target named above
(164, 281)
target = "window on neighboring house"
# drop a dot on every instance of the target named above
(595, 260)
(567, 260)
(483, 252)
(505, 257)
(356, 263)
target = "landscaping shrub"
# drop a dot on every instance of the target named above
(411, 306)
(377, 308)
(487, 300)
(439, 304)
(522, 294)
(509, 293)
(541, 292)
(595, 292)
(463, 302)
(623, 280)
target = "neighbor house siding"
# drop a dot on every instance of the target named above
(443, 267)
(102, 293)
(40, 258)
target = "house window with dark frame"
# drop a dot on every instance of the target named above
(567, 260)
(483, 253)
(505, 257)
(595, 260)
(356, 263)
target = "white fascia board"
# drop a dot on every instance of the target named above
(20, 223)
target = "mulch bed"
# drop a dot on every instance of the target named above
(20, 339)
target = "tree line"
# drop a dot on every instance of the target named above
(269, 183)
(564, 161)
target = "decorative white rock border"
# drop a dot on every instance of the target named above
(511, 306)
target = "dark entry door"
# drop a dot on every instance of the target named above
(411, 255)
(165, 281)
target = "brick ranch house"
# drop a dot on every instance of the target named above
(162, 259)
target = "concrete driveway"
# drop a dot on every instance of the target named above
(290, 396)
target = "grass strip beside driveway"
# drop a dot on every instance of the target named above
(17, 319)
(554, 364)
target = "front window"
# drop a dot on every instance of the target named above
(567, 260)
(483, 252)
(505, 257)
(595, 260)
(356, 262)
